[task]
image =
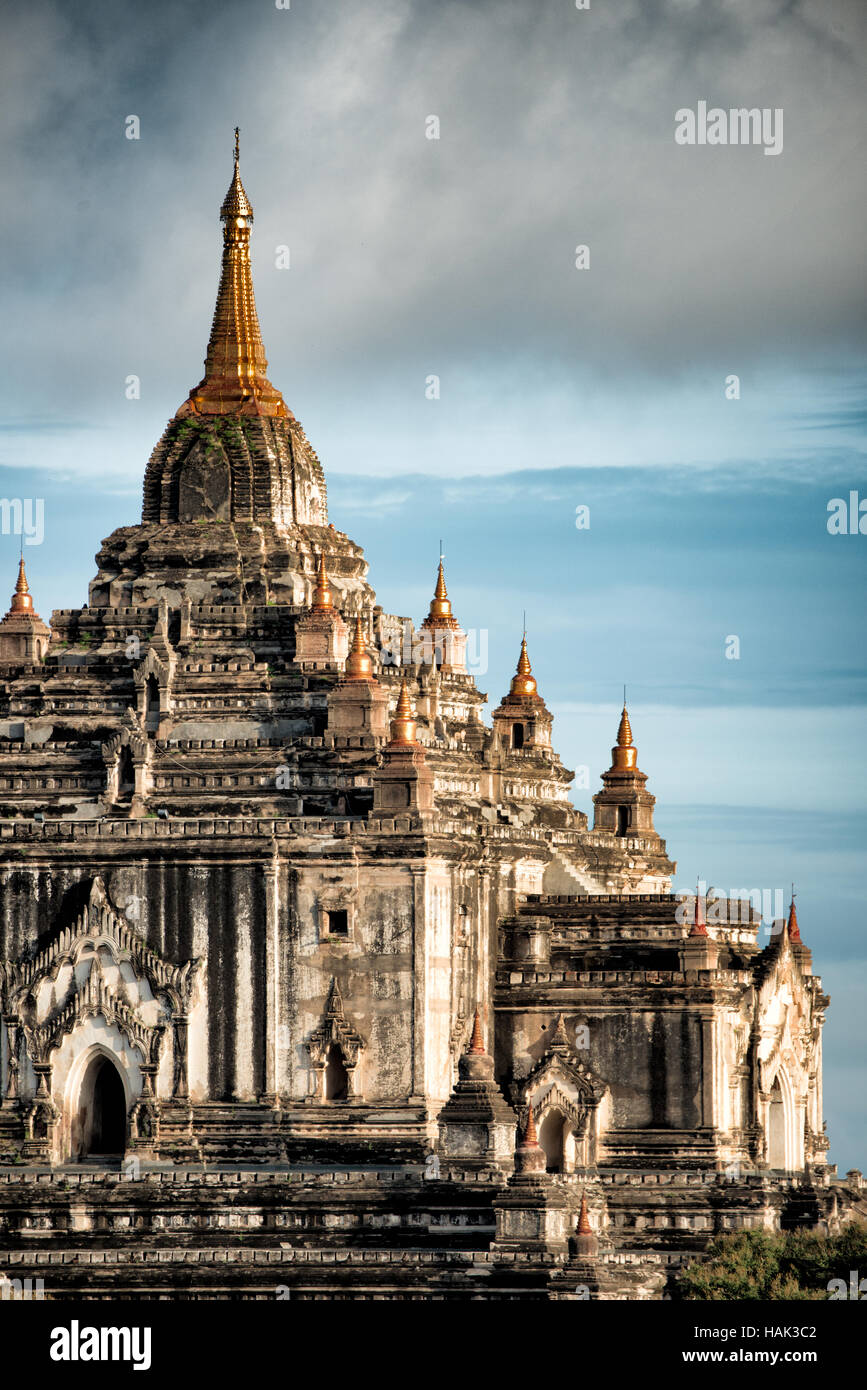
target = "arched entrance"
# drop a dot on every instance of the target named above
(777, 1127)
(336, 1076)
(551, 1134)
(152, 704)
(102, 1110)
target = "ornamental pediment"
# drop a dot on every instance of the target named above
(98, 966)
(561, 1079)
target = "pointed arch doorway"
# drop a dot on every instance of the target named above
(102, 1110)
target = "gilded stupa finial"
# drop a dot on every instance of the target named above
(359, 663)
(523, 681)
(235, 380)
(322, 592)
(403, 723)
(477, 1042)
(236, 203)
(440, 615)
(22, 601)
(624, 754)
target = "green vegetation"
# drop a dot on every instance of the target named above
(797, 1266)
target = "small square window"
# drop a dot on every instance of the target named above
(337, 923)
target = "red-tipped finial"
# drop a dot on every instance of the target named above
(698, 926)
(477, 1042)
(792, 924)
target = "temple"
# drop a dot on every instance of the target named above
(296, 950)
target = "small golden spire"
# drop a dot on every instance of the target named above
(440, 614)
(322, 592)
(529, 1137)
(440, 605)
(523, 681)
(403, 723)
(624, 755)
(21, 599)
(477, 1042)
(359, 664)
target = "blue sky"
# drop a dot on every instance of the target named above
(558, 387)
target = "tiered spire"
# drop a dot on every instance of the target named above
(624, 754)
(235, 380)
(359, 663)
(21, 599)
(523, 681)
(529, 1137)
(477, 1042)
(403, 723)
(584, 1228)
(440, 615)
(322, 592)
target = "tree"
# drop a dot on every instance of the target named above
(795, 1266)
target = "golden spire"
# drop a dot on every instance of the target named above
(21, 599)
(403, 723)
(477, 1042)
(529, 1136)
(359, 664)
(440, 614)
(624, 755)
(440, 606)
(235, 381)
(523, 681)
(322, 592)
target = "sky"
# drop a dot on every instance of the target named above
(607, 387)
